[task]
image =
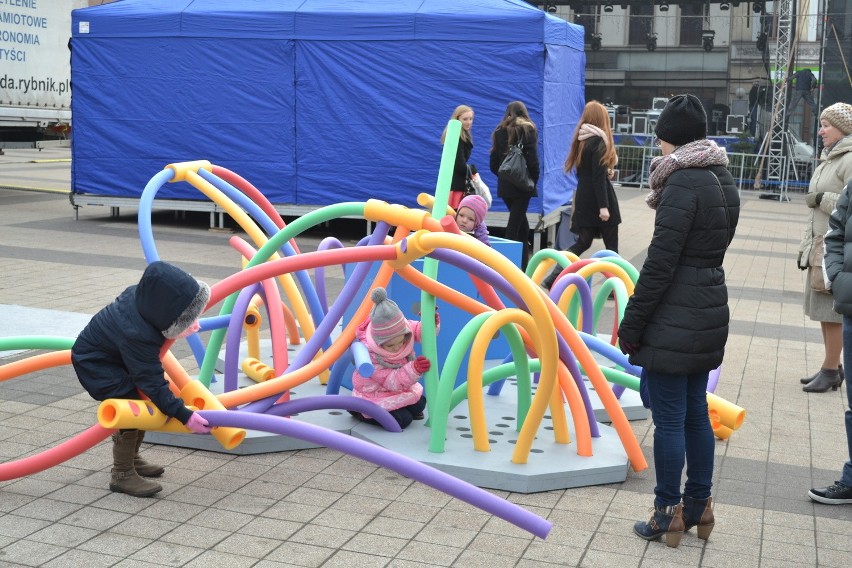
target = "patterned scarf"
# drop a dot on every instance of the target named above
(698, 154)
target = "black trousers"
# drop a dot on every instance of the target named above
(518, 227)
(585, 236)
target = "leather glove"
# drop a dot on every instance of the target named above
(628, 347)
(421, 364)
(437, 319)
(198, 424)
(813, 199)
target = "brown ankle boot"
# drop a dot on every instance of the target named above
(124, 477)
(143, 468)
(698, 513)
(664, 521)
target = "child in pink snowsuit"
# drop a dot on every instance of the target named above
(394, 385)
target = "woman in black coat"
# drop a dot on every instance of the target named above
(463, 114)
(675, 325)
(595, 211)
(516, 128)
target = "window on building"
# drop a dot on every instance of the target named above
(641, 23)
(691, 23)
(586, 16)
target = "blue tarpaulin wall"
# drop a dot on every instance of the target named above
(315, 101)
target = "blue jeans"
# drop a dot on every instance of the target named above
(682, 433)
(846, 476)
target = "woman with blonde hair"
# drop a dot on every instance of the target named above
(516, 129)
(595, 212)
(463, 114)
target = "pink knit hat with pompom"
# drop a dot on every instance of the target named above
(476, 204)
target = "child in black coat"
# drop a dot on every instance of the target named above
(117, 355)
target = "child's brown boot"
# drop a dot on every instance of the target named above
(124, 476)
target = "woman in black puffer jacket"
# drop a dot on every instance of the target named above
(516, 128)
(675, 325)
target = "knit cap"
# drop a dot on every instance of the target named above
(839, 115)
(682, 121)
(477, 204)
(386, 319)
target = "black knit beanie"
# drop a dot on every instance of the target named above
(682, 121)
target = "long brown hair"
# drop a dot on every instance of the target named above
(595, 114)
(516, 122)
(466, 135)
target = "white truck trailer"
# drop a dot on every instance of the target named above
(35, 71)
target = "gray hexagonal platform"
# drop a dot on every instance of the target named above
(550, 465)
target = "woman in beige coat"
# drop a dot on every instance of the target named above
(828, 180)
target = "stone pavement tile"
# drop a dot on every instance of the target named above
(300, 554)
(347, 559)
(143, 527)
(634, 547)
(499, 544)
(434, 554)
(323, 481)
(267, 488)
(166, 553)
(380, 545)
(219, 519)
(306, 496)
(16, 526)
(270, 528)
(555, 553)
(30, 553)
(190, 535)
(194, 494)
(79, 494)
(81, 558)
(726, 559)
(394, 528)
(243, 503)
(478, 559)
(438, 533)
(775, 563)
(322, 536)
(115, 544)
(247, 545)
(47, 509)
(607, 559)
(795, 502)
(805, 552)
(213, 558)
(832, 558)
(372, 488)
(344, 519)
(67, 536)
(293, 512)
(12, 501)
(469, 519)
(97, 518)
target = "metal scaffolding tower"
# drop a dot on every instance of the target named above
(779, 150)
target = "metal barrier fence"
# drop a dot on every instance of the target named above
(634, 163)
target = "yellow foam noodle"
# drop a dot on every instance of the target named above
(181, 168)
(116, 413)
(725, 413)
(257, 370)
(722, 432)
(196, 394)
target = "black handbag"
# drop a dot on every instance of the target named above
(514, 171)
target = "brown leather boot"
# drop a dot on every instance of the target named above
(664, 521)
(698, 513)
(143, 468)
(124, 476)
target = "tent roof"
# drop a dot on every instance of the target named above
(329, 20)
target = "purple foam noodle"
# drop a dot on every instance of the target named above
(713, 379)
(383, 457)
(235, 333)
(492, 277)
(334, 402)
(334, 315)
(325, 244)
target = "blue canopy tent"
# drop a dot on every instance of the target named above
(314, 101)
